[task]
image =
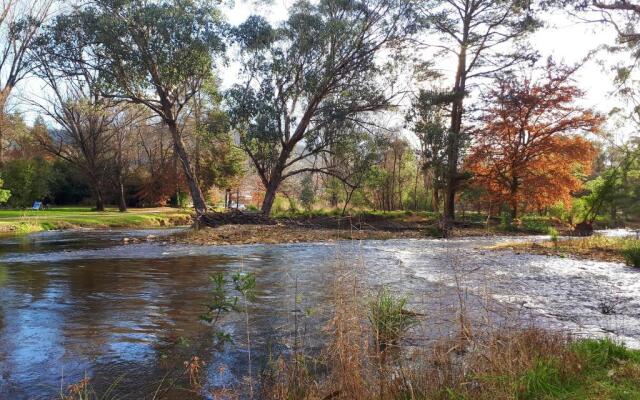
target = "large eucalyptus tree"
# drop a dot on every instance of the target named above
(303, 80)
(155, 53)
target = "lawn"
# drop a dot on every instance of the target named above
(25, 221)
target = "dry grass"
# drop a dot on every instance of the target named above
(272, 234)
(481, 363)
(599, 248)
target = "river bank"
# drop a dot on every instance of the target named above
(250, 228)
(129, 316)
(65, 218)
(596, 248)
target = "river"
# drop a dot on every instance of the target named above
(79, 303)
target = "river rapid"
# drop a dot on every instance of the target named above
(85, 303)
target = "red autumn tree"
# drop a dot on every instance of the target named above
(527, 152)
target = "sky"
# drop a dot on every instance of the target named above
(564, 38)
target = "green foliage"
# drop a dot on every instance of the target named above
(602, 353)
(542, 380)
(27, 180)
(506, 221)
(389, 318)
(144, 46)
(4, 193)
(553, 233)
(179, 199)
(221, 163)
(631, 254)
(535, 225)
(223, 302)
(311, 80)
(67, 185)
(307, 192)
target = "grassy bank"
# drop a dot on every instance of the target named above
(599, 248)
(27, 221)
(369, 355)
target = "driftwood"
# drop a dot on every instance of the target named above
(234, 217)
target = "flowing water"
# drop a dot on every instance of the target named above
(84, 303)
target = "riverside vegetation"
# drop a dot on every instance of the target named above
(370, 355)
(600, 248)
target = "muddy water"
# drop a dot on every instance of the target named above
(75, 304)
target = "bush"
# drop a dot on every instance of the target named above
(535, 225)
(553, 233)
(631, 254)
(506, 222)
(389, 319)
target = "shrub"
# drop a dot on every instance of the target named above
(506, 222)
(553, 233)
(631, 254)
(389, 319)
(535, 225)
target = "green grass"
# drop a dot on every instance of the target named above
(604, 369)
(608, 370)
(631, 254)
(389, 318)
(592, 369)
(26, 221)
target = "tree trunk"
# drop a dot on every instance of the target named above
(196, 194)
(2, 127)
(514, 199)
(99, 201)
(270, 197)
(122, 201)
(453, 151)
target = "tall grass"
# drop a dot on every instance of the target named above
(369, 355)
(493, 363)
(631, 254)
(389, 318)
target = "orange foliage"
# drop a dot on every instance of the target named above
(526, 153)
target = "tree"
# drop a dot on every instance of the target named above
(352, 158)
(307, 192)
(77, 104)
(20, 22)
(303, 80)
(220, 162)
(158, 54)
(477, 33)
(126, 122)
(429, 126)
(527, 152)
(27, 180)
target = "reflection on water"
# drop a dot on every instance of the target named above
(82, 302)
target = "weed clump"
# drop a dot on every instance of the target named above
(631, 254)
(389, 318)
